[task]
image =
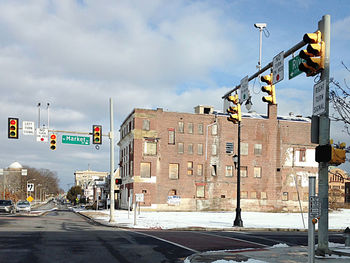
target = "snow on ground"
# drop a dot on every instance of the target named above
(169, 220)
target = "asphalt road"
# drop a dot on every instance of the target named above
(63, 236)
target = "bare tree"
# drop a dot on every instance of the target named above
(339, 96)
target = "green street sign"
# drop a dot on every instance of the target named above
(294, 66)
(81, 140)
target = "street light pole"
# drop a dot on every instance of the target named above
(238, 220)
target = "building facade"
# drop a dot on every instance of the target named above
(183, 161)
(93, 184)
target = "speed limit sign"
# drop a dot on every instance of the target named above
(30, 187)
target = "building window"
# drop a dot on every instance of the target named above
(214, 129)
(253, 195)
(257, 149)
(257, 172)
(172, 192)
(190, 148)
(302, 155)
(145, 170)
(200, 149)
(171, 136)
(200, 169)
(213, 170)
(229, 147)
(181, 127)
(200, 191)
(295, 196)
(200, 128)
(306, 196)
(244, 171)
(285, 196)
(173, 171)
(244, 194)
(229, 170)
(214, 150)
(263, 195)
(244, 148)
(150, 147)
(180, 147)
(145, 125)
(189, 168)
(190, 127)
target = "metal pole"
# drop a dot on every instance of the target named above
(324, 130)
(39, 104)
(238, 220)
(48, 116)
(111, 137)
(4, 187)
(311, 226)
(260, 48)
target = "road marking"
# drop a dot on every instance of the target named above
(161, 239)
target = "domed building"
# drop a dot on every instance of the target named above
(11, 181)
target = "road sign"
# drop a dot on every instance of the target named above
(314, 206)
(81, 140)
(30, 187)
(28, 127)
(293, 66)
(319, 106)
(42, 135)
(24, 172)
(244, 89)
(139, 197)
(278, 68)
(30, 199)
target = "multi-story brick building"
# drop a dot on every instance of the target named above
(183, 161)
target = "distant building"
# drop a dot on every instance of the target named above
(183, 161)
(339, 187)
(92, 182)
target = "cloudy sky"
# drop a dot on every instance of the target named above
(174, 55)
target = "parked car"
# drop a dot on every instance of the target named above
(7, 206)
(23, 206)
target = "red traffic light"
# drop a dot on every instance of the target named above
(53, 137)
(97, 129)
(118, 181)
(13, 122)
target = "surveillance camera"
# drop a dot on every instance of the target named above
(260, 25)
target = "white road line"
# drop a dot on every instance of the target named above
(238, 239)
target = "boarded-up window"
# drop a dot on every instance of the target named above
(200, 191)
(173, 171)
(145, 170)
(229, 170)
(200, 128)
(244, 148)
(190, 127)
(181, 127)
(200, 169)
(190, 148)
(253, 195)
(150, 147)
(302, 155)
(257, 149)
(263, 195)
(145, 125)
(214, 129)
(244, 194)
(180, 147)
(244, 171)
(189, 168)
(295, 196)
(214, 149)
(171, 133)
(285, 196)
(257, 172)
(213, 170)
(200, 148)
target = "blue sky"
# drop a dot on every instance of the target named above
(147, 54)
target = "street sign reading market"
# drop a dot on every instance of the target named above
(293, 66)
(71, 139)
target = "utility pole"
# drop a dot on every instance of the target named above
(324, 130)
(238, 220)
(111, 138)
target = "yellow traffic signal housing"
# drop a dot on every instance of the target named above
(53, 141)
(313, 54)
(13, 128)
(270, 89)
(235, 111)
(96, 134)
(338, 156)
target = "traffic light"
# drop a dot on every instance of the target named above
(235, 111)
(13, 128)
(96, 134)
(269, 88)
(53, 141)
(313, 54)
(118, 181)
(329, 154)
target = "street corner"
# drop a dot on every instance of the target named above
(212, 256)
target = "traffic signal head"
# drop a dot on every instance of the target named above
(269, 88)
(118, 181)
(13, 128)
(235, 111)
(53, 141)
(96, 134)
(313, 54)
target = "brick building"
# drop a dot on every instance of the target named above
(183, 161)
